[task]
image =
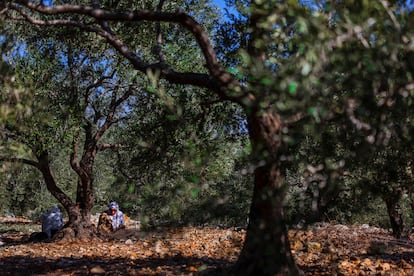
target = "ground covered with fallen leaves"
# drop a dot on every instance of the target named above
(320, 249)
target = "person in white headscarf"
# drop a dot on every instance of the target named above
(112, 219)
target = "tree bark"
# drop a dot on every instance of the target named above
(266, 250)
(79, 225)
(85, 195)
(48, 176)
(395, 215)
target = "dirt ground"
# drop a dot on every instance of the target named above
(322, 249)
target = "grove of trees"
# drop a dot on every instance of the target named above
(298, 108)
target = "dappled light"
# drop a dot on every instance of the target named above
(320, 249)
(274, 142)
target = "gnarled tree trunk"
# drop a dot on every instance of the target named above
(395, 214)
(266, 250)
(79, 225)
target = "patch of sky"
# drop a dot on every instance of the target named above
(409, 5)
(48, 3)
(225, 9)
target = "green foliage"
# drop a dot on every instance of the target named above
(340, 76)
(71, 61)
(25, 193)
(182, 170)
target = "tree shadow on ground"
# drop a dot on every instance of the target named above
(27, 261)
(172, 265)
(390, 257)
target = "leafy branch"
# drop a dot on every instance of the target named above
(218, 80)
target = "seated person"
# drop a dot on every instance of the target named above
(112, 219)
(52, 221)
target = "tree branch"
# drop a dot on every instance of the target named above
(350, 111)
(20, 160)
(13, 134)
(47, 172)
(115, 103)
(218, 80)
(97, 83)
(145, 15)
(106, 146)
(158, 49)
(73, 155)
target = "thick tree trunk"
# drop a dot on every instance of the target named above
(266, 250)
(79, 225)
(395, 215)
(85, 195)
(411, 197)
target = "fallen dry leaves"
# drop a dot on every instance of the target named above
(328, 249)
(324, 249)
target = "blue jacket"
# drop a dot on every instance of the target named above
(52, 221)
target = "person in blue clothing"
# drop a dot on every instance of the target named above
(112, 219)
(52, 221)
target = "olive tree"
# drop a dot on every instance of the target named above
(300, 65)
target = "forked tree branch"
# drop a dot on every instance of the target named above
(115, 103)
(217, 80)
